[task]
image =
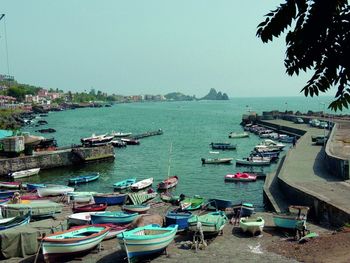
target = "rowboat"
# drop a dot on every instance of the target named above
(168, 183)
(89, 208)
(192, 203)
(240, 177)
(117, 217)
(223, 146)
(6, 194)
(83, 179)
(141, 209)
(54, 190)
(80, 197)
(142, 184)
(179, 218)
(24, 173)
(146, 240)
(211, 223)
(252, 225)
(110, 199)
(38, 209)
(125, 184)
(237, 135)
(83, 218)
(216, 160)
(72, 241)
(169, 198)
(246, 209)
(220, 204)
(296, 216)
(11, 222)
(33, 187)
(253, 162)
(114, 230)
(10, 185)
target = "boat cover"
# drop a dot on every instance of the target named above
(37, 209)
(140, 198)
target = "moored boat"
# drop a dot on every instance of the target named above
(168, 183)
(116, 217)
(125, 184)
(179, 218)
(118, 143)
(216, 160)
(96, 140)
(120, 134)
(237, 135)
(191, 203)
(83, 178)
(130, 141)
(89, 208)
(252, 225)
(24, 173)
(54, 190)
(253, 162)
(223, 146)
(110, 199)
(211, 223)
(240, 177)
(142, 184)
(141, 209)
(11, 222)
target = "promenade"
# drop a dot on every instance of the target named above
(304, 179)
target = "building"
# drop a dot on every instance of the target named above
(6, 100)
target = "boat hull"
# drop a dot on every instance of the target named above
(178, 218)
(142, 184)
(113, 218)
(252, 226)
(212, 223)
(26, 173)
(83, 179)
(220, 204)
(141, 209)
(110, 200)
(285, 221)
(54, 191)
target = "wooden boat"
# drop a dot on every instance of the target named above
(179, 218)
(11, 222)
(169, 198)
(191, 203)
(142, 184)
(72, 241)
(33, 187)
(32, 197)
(146, 240)
(113, 231)
(6, 194)
(223, 146)
(10, 185)
(120, 134)
(117, 217)
(240, 177)
(253, 162)
(110, 199)
(252, 225)
(83, 218)
(38, 208)
(246, 209)
(125, 184)
(118, 143)
(89, 208)
(297, 216)
(220, 204)
(54, 190)
(237, 135)
(168, 183)
(83, 179)
(211, 223)
(80, 197)
(24, 173)
(141, 209)
(216, 160)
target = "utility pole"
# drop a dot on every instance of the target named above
(2, 16)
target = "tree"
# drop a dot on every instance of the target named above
(318, 39)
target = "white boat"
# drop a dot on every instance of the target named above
(142, 184)
(25, 173)
(120, 134)
(80, 197)
(253, 162)
(252, 225)
(271, 144)
(96, 140)
(54, 190)
(83, 218)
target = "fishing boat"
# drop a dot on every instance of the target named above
(179, 218)
(297, 215)
(130, 141)
(141, 209)
(142, 184)
(237, 135)
(168, 183)
(83, 179)
(80, 197)
(110, 199)
(125, 184)
(240, 177)
(116, 217)
(89, 208)
(38, 208)
(216, 160)
(191, 203)
(11, 222)
(146, 240)
(72, 241)
(6, 194)
(246, 209)
(220, 204)
(83, 218)
(54, 190)
(24, 173)
(253, 162)
(211, 223)
(223, 146)
(252, 225)
(10, 185)
(33, 187)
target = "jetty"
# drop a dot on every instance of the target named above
(147, 134)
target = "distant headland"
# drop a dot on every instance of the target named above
(213, 95)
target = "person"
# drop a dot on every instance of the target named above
(294, 141)
(16, 198)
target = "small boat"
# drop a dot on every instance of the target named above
(141, 209)
(89, 208)
(125, 184)
(169, 198)
(216, 160)
(120, 134)
(83, 218)
(142, 184)
(240, 177)
(252, 225)
(223, 146)
(72, 241)
(38, 208)
(32, 197)
(130, 141)
(11, 222)
(296, 216)
(237, 135)
(220, 204)
(168, 183)
(83, 179)
(179, 218)
(286, 139)
(191, 203)
(48, 130)
(146, 240)
(81, 197)
(253, 162)
(33, 187)
(24, 173)
(10, 185)
(117, 217)
(96, 140)
(211, 223)
(6, 194)
(110, 199)
(113, 231)
(54, 190)
(118, 143)
(246, 209)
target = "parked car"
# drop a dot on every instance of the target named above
(323, 125)
(298, 120)
(314, 122)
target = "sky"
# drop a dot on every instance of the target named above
(145, 47)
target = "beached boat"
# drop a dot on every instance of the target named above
(146, 240)
(297, 215)
(33, 187)
(246, 209)
(89, 208)
(168, 197)
(211, 223)
(223, 146)
(216, 160)
(141, 209)
(253, 162)
(54, 190)
(6, 194)
(237, 135)
(83, 218)
(220, 204)
(11, 222)
(168, 183)
(120, 134)
(10, 185)
(130, 141)
(252, 225)
(125, 184)
(114, 230)
(80, 197)
(179, 218)
(116, 217)
(24, 173)
(83, 179)
(110, 199)
(72, 241)
(142, 184)
(191, 203)
(38, 208)
(240, 177)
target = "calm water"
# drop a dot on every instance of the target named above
(189, 126)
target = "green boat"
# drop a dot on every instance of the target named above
(211, 223)
(252, 225)
(191, 203)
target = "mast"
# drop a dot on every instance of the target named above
(170, 150)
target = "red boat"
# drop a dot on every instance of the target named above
(240, 177)
(168, 183)
(90, 208)
(32, 197)
(10, 185)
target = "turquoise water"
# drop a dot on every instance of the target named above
(188, 126)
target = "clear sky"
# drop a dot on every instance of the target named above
(145, 46)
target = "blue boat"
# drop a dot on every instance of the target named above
(220, 204)
(116, 217)
(21, 220)
(295, 217)
(125, 184)
(84, 178)
(33, 187)
(179, 218)
(110, 199)
(6, 194)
